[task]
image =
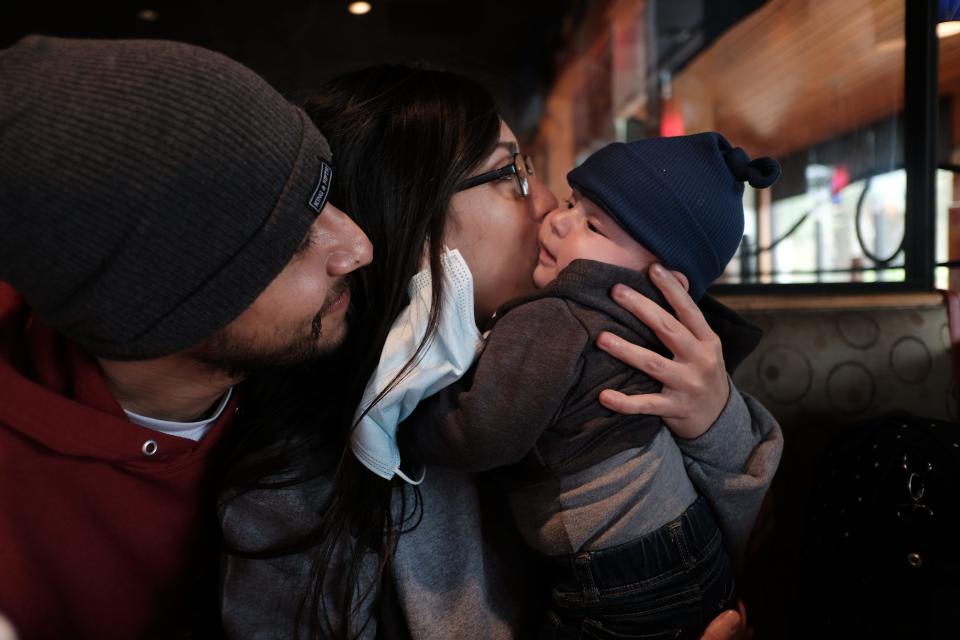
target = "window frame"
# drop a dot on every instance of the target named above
(920, 112)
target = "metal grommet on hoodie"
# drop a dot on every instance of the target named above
(149, 448)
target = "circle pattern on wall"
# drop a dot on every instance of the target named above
(910, 360)
(850, 388)
(785, 373)
(858, 330)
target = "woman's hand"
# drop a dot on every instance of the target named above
(695, 385)
(729, 625)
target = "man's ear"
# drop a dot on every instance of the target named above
(682, 278)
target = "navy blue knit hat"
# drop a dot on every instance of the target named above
(680, 197)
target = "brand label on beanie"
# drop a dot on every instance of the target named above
(322, 190)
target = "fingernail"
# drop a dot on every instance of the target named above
(608, 398)
(619, 292)
(608, 341)
(657, 269)
(731, 618)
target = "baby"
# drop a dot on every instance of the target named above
(628, 545)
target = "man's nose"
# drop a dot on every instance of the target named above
(351, 249)
(541, 200)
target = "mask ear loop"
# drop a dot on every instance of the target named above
(425, 256)
(423, 474)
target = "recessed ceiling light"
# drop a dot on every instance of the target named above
(148, 15)
(359, 8)
(947, 29)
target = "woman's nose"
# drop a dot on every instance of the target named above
(351, 248)
(541, 200)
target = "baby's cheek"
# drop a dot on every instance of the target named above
(542, 276)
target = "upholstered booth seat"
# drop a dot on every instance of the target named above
(819, 371)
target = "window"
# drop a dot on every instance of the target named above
(948, 173)
(819, 85)
(845, 94)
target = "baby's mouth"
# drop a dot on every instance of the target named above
(545, 256)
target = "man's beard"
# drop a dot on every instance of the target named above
(237, 358)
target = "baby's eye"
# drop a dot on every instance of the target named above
(593, 227)
(569, 204)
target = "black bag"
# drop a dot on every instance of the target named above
(880, 556)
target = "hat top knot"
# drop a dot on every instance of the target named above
(759, 173)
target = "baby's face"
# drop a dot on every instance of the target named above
(579, 229)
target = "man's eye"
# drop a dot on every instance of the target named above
(305, 245)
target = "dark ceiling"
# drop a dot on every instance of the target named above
(297, 44)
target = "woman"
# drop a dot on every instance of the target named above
(444, 562)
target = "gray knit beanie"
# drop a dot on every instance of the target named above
(149, 190)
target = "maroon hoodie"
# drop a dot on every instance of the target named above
(97, 539)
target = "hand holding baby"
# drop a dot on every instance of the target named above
(695, 384)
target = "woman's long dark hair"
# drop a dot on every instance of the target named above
(403, 138)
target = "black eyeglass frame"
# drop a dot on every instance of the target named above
(521, 167)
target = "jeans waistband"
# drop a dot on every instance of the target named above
(676, 545)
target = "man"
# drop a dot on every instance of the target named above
(163, 230)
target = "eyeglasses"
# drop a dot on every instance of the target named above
(521, 168)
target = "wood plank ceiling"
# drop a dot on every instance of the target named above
(799, 72)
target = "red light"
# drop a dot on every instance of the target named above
(671, 120)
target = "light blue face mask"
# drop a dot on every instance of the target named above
(442, 362)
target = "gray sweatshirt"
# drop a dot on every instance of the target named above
(581, 477)
(463, 572)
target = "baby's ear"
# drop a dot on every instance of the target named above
(682, 278)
